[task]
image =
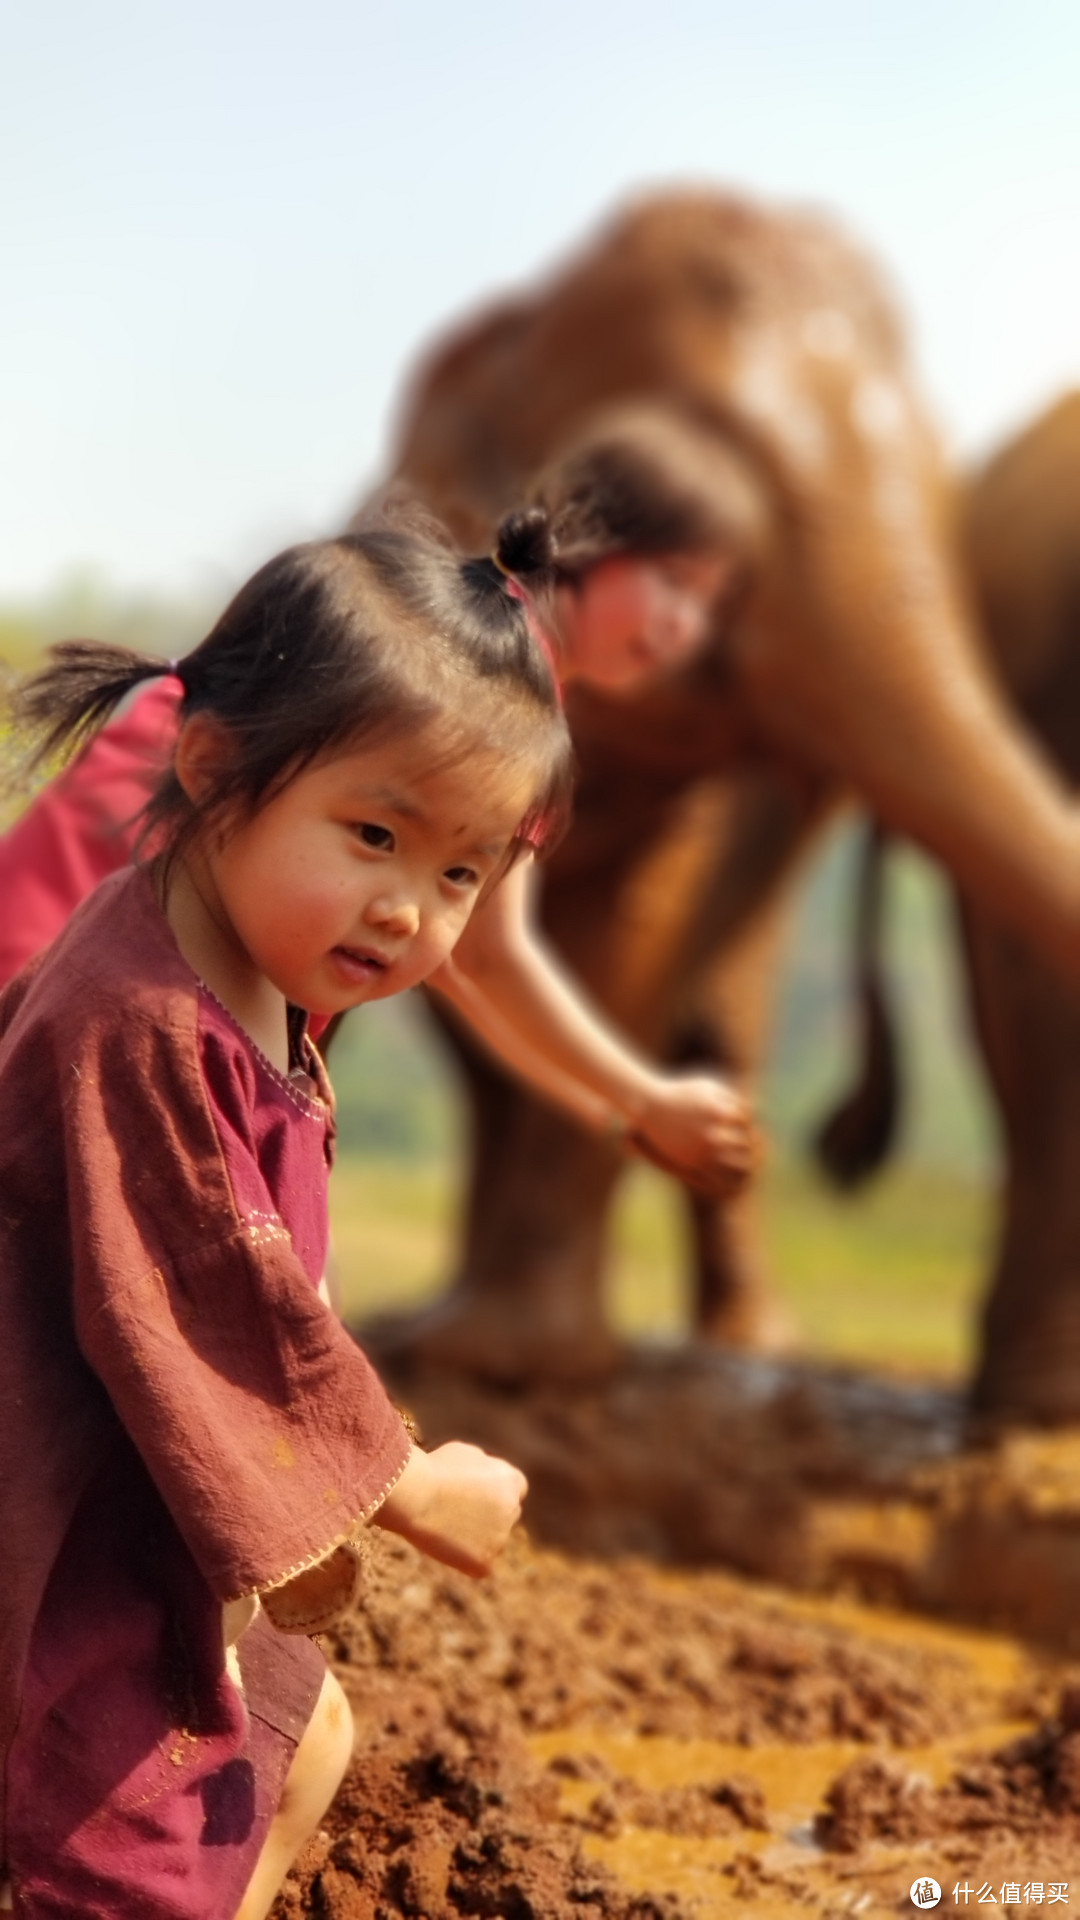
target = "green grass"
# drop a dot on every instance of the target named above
(393, 1230)
(890, 1280)
(893, 1278)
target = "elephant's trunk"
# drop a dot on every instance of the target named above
(864, 655)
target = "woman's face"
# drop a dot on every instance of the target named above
(631, 617)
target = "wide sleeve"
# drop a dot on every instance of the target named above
(266, 1430)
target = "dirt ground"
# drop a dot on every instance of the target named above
(611, 1740)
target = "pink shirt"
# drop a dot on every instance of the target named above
(82, 826)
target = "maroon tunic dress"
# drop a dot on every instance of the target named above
(184, 1424)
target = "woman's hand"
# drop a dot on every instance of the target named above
(457, 1503)
(700, 1129)
(514, 993)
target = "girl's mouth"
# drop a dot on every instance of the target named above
(360, 963)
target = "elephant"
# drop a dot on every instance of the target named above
(849, 665)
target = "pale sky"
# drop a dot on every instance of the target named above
(226, 227)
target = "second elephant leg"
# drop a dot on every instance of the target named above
(735, 1303)
(1028, 1368)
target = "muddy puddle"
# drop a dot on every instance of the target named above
(578, 1739)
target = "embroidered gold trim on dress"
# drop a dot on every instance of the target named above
(346, 1538)
(311, 1105)
(265, 1229)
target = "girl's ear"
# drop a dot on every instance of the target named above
(203, 750)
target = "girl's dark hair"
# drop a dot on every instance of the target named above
(640, 481)
(376, 631)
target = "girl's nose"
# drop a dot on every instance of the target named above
(399, 916)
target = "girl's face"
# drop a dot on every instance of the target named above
(357, 879)
(631, 617)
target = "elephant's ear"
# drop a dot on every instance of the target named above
(855, 1139)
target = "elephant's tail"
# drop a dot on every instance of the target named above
(855, 1139)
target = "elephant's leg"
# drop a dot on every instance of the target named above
(1025, 517)
(736, 1302)
(526, 1301)
(1028, 1368)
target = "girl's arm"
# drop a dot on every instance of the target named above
(510, 988)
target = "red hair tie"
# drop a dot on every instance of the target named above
(517, 592)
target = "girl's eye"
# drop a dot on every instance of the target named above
(375, 836)
(461, 876)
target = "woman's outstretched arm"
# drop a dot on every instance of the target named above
(510, 988)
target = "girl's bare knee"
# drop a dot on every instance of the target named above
(320, 1761)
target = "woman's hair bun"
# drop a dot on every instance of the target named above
(525, 543)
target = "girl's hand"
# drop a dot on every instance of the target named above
(457, 1503)
(699, 1129)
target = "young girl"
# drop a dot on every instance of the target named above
(191, 1442)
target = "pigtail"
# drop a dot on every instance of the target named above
(61, 708)
(523, 567)
(526, 557)
(525, 546)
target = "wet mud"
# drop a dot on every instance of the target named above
(726, 1671)
(587, 1740)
